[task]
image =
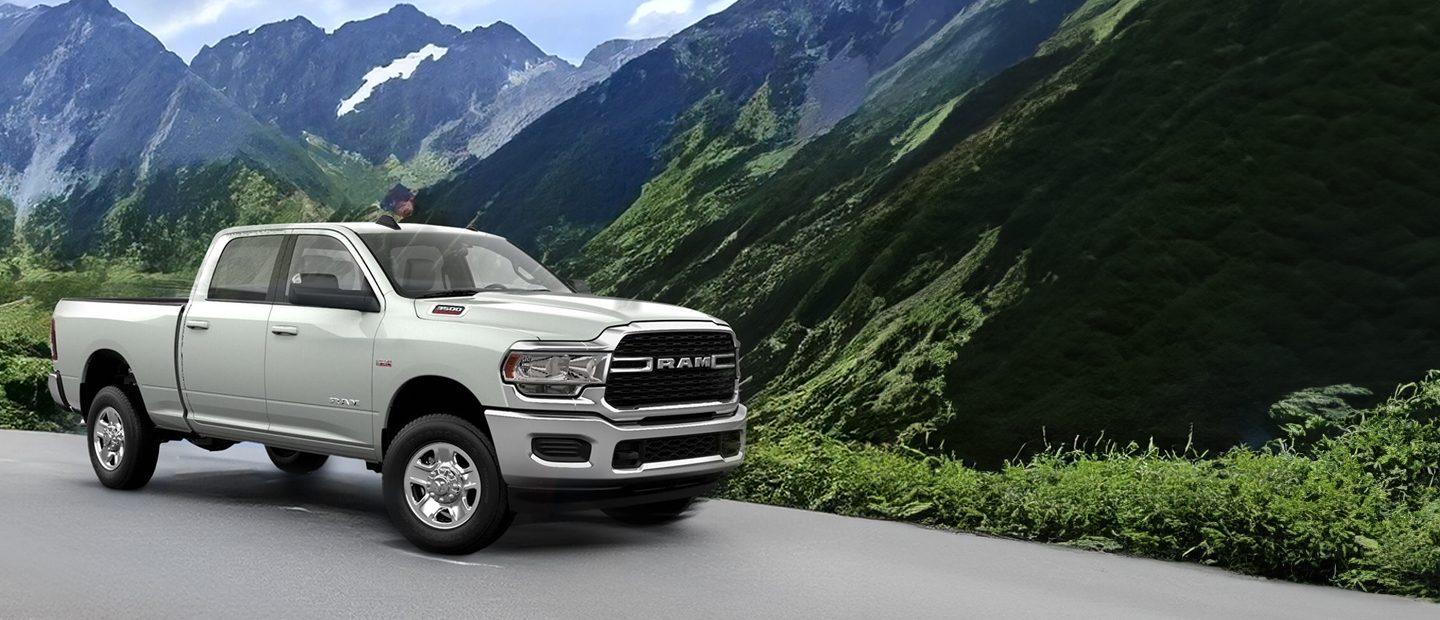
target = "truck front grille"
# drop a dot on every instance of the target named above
(673, 386)
(633, 453)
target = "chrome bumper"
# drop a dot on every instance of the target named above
(512, 432)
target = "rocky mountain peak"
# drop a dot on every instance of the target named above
(401, 18)
(405, 8)
(616, 52)
(92, 6)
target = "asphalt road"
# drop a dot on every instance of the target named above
(227, 535)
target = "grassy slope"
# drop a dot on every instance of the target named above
(713, 168)
(1210, 207)
(706, 115)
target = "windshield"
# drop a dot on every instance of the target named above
(456, 263)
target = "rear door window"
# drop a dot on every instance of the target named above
(245, 268)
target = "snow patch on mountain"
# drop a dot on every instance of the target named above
(401, 68)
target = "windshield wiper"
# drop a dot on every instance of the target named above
(459, 292)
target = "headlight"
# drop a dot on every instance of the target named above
(537, 373)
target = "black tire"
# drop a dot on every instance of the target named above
(130, 463)
(652, 514)
(490, 514)
(294, 461)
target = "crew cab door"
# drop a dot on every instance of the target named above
(223, 336)
(319, 358)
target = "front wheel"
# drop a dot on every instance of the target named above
(123, 446)
(651, 514)
(294, 461)
(443, 488)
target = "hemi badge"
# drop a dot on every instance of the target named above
(448, 310)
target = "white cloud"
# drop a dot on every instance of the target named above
(653, 9)
(666, 17)
(200, 14)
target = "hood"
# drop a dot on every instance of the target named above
(553, 316)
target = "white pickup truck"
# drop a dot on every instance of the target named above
(476, 382)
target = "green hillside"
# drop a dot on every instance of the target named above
(162, 220)
(718, 108)
(1172, 216)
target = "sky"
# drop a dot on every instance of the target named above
(566, 28)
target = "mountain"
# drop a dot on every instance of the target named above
(742, 87)
(84, 92)
(969, 226)
(527, 95)
(398, 84)
(1158, 222)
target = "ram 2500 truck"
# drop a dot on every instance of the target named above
(476, 382)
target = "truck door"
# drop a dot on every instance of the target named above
(222, 343)
(319, 359)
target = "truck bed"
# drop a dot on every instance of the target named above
(141, 330)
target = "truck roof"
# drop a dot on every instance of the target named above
(356, 227)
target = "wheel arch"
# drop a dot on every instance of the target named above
(428, 394)
(106, 367)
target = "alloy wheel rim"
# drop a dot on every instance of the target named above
(108, 439)
(442, 485)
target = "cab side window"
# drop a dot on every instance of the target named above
(244, 269)
(324, 263)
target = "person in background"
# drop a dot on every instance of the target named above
(397, 205)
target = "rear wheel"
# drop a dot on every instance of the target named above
(124, 447)
(443, 488)
(651, 514)
(294, 461)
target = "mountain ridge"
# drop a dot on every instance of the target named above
(578, 175)
(67, 116)
(451, 104)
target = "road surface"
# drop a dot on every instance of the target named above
(226, 535)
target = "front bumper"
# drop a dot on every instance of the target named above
(535, 482)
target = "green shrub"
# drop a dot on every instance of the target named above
(1357, 508)
(24, 364)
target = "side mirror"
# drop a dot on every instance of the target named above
(318, 297)
(580, 286)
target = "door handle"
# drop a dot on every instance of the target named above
(284, 330)
(197, 324)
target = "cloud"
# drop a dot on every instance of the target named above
(199, 14)
(659, 9)
(666, 17)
